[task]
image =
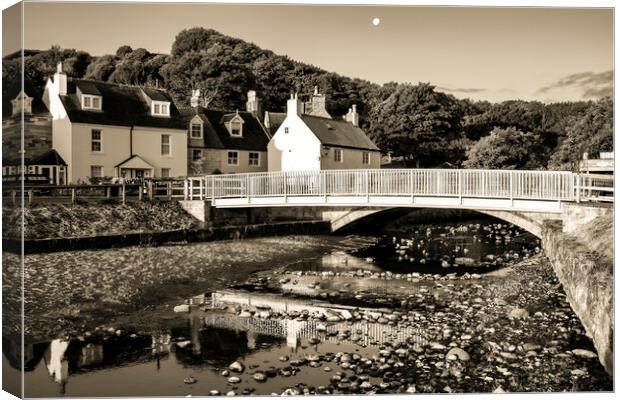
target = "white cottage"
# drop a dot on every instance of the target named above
(315, 141)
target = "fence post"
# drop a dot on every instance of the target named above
(108, 192)
(201, 186)
(460, 183)
(72, 195)
(13, 195)
(30, 194)
(185, 188)
(285, 188)
(150, 189)
(123, 192)
(140, 192)
(212, 189)
(578, 177)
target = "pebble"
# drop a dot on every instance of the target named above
(236, 367)
(259, 377)
(190, 380)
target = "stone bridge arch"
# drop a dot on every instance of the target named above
(530, 221)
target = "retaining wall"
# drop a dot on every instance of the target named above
(587, 278)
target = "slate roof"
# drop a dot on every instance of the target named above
(87, 87)
(275, 120)
(121, 105)
(216, 136)
(338, 133)
(50, 157)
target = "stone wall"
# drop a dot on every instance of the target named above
(587, 278)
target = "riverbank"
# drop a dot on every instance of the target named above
(55, 220)
(65, 290)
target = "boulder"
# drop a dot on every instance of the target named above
(459, 353)
(236, 367)
(183, 308)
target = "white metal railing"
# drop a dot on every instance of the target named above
(502, 184)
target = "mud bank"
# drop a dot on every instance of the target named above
(587, 277)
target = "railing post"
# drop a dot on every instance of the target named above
(367, 173)
(30, 194)
(460, 184)
(212, 189)
(412, 185)
(285, 188)
(185, 188)
(512, 203)
(123, 192)
(578, 177)
(149, 187)
(140, 192)
(72, 195)
(201, 184)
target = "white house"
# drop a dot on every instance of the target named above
(108, 130)
(315, 141)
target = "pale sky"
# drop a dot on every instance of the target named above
(482, 53)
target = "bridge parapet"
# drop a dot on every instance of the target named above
(542, 191)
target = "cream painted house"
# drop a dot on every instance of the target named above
(108, 130)
(226, 141)
(315, 141)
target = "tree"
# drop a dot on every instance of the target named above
(415, 122)
(507, 149)
(76, 66)
(591, 133)
(101, 68)
(123, 51)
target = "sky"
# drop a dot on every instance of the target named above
(546, 54)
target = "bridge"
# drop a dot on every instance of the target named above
(511, 190)
(524, 198)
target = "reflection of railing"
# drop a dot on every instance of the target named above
(371, 332)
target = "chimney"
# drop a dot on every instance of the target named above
(352, 116)
(195, 100)
(253, 104)
(293, 105)
(60, 80)
(316, 105)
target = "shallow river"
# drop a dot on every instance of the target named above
(426, 309)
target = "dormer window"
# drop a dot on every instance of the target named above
(160, 108)
(91, 102)
(17, 104)
(235, 128)
(195, 129)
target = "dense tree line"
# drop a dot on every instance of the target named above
(424, 126)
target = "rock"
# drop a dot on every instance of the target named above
(225, 372)
(234, 379)
(245, 314)
(464, 261)
(578, 372)
(531, 347)
(321, 328)
(437, 346)
(190, 380)
(584, 353)
(259, 377)
(518, 313)
(231, 393)
(459, 353)
(183, 308)
(411, 389)
(365, 385)
(236, 367)
(499, 390)
(214, 393)
(183, 344)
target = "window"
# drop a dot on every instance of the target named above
(195, 130)
(365, 157)
(96, 171)
(95, 140)
(254, 159)
(196, 155)
(286, 129)
(338, 155)
(235, 128)
(160, 109)
(165, 145)
(233, 158)
(165, 172)
(90, 102)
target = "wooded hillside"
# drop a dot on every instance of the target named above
(427, 127)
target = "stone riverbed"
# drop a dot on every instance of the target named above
(462, 307)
